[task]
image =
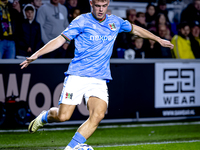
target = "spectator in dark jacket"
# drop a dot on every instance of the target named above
(162, 8)
(150, 15)
(191, 12)
(71, 5)
(152, 48)
(30, 34)
(10, 17)
(140, 20)
(83, 5)
(36, 3)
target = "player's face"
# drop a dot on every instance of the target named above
(99, 8)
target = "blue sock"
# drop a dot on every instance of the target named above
(77, 139)
(44, 117)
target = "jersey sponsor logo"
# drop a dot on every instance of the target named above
(68, 95)
(112, 26)
(102, 38)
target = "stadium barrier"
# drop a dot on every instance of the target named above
(141, 89)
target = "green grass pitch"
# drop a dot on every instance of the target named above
(169, 137)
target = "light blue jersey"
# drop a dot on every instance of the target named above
(94, 42)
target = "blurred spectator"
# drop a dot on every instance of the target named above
(53, 20)
(16, 12)
(75, 13)
(122, 43)
(160, 20)
(137, 46)
(140, 20)
(16, 6)
(185, 46)
(63, 2)
(29, 39)
(152, 49)
(123, 40)
(163, 32)
(131, 15)
(195, 30)
(191, 12)
(84, 6)
(109, 12)
(10, 17)
(70, 50)
(150, 15)
(71, 5)
(162, 8)
(36, 3)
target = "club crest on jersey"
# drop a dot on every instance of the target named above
(112, 26)
(68, 95)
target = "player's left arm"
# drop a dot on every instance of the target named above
(141, 32)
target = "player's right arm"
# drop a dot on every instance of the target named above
(49, 47)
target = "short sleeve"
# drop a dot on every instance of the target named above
(125, 26)
(74, 28)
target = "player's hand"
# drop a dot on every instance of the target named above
(166, 43)
(28, 60)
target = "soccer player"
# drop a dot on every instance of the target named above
(89, 70)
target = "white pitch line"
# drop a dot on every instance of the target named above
(108, 126)
(165, 142)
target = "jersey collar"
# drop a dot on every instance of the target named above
(100, 21)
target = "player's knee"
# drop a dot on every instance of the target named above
(63, 117)
(53, 112)
(98, 116)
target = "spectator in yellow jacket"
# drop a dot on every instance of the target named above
(185, 46)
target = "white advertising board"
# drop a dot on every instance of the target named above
(177, 85)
